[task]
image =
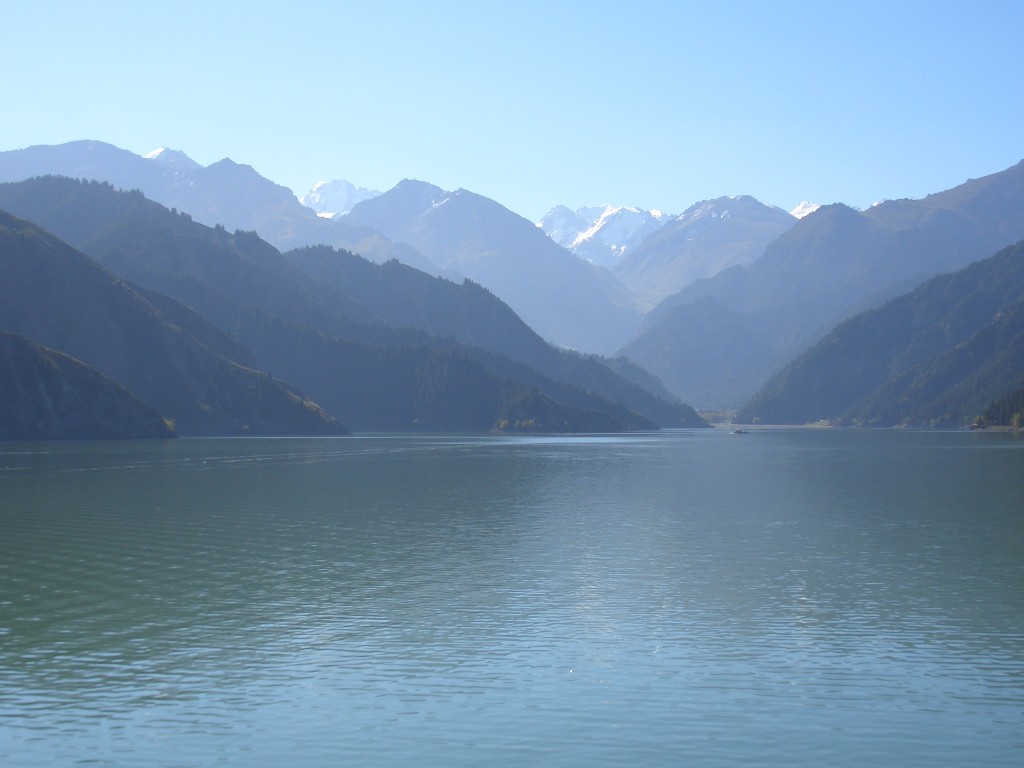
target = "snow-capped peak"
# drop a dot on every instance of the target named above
(617, 224)
(173, 158)
(333, 198)
(607, 212)
(805, 209)
(601, 234)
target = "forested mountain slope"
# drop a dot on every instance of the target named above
(281, 315)
(935, 356)
(57, 297)
(47, 395)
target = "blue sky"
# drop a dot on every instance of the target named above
(658, 105)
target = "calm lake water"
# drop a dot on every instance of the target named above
(782, 598)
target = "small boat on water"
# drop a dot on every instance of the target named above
(739, 431)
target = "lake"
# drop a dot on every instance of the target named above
(780, 598)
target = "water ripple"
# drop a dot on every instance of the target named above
(797, 599)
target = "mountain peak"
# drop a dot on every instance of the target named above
(600, 234)
(172, 157)
(336, 197)
(406, 200)
(410, 186)
(804, 208)
(707, 238)
(719, 207)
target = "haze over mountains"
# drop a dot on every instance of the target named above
(711, 302)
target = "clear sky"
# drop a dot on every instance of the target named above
(656, 104)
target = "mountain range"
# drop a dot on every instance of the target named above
(654, 254)
(601, 235)
(450, 322)
(746, 322)
(572, 304)
(566, 300)
(707, 238)
(344, 347)
(227, 193)
(475, 237)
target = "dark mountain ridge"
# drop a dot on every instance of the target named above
(56, 296)
(230, 267)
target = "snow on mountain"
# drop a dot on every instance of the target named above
(334, 198)
(483, 241)
(707, 238)
(563, 225)
(804, 209)
(601, 235)
(173, 158)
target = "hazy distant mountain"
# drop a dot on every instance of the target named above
(706, 350)
(601, 235)
(707, 238)
(48, 395)
(330, 198)
(936, 356)
(225, 193)
(566, 300)
(832, 264)
(59, 298)
(336, 337)
(654, 255)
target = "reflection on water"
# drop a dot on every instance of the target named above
(780, 598)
